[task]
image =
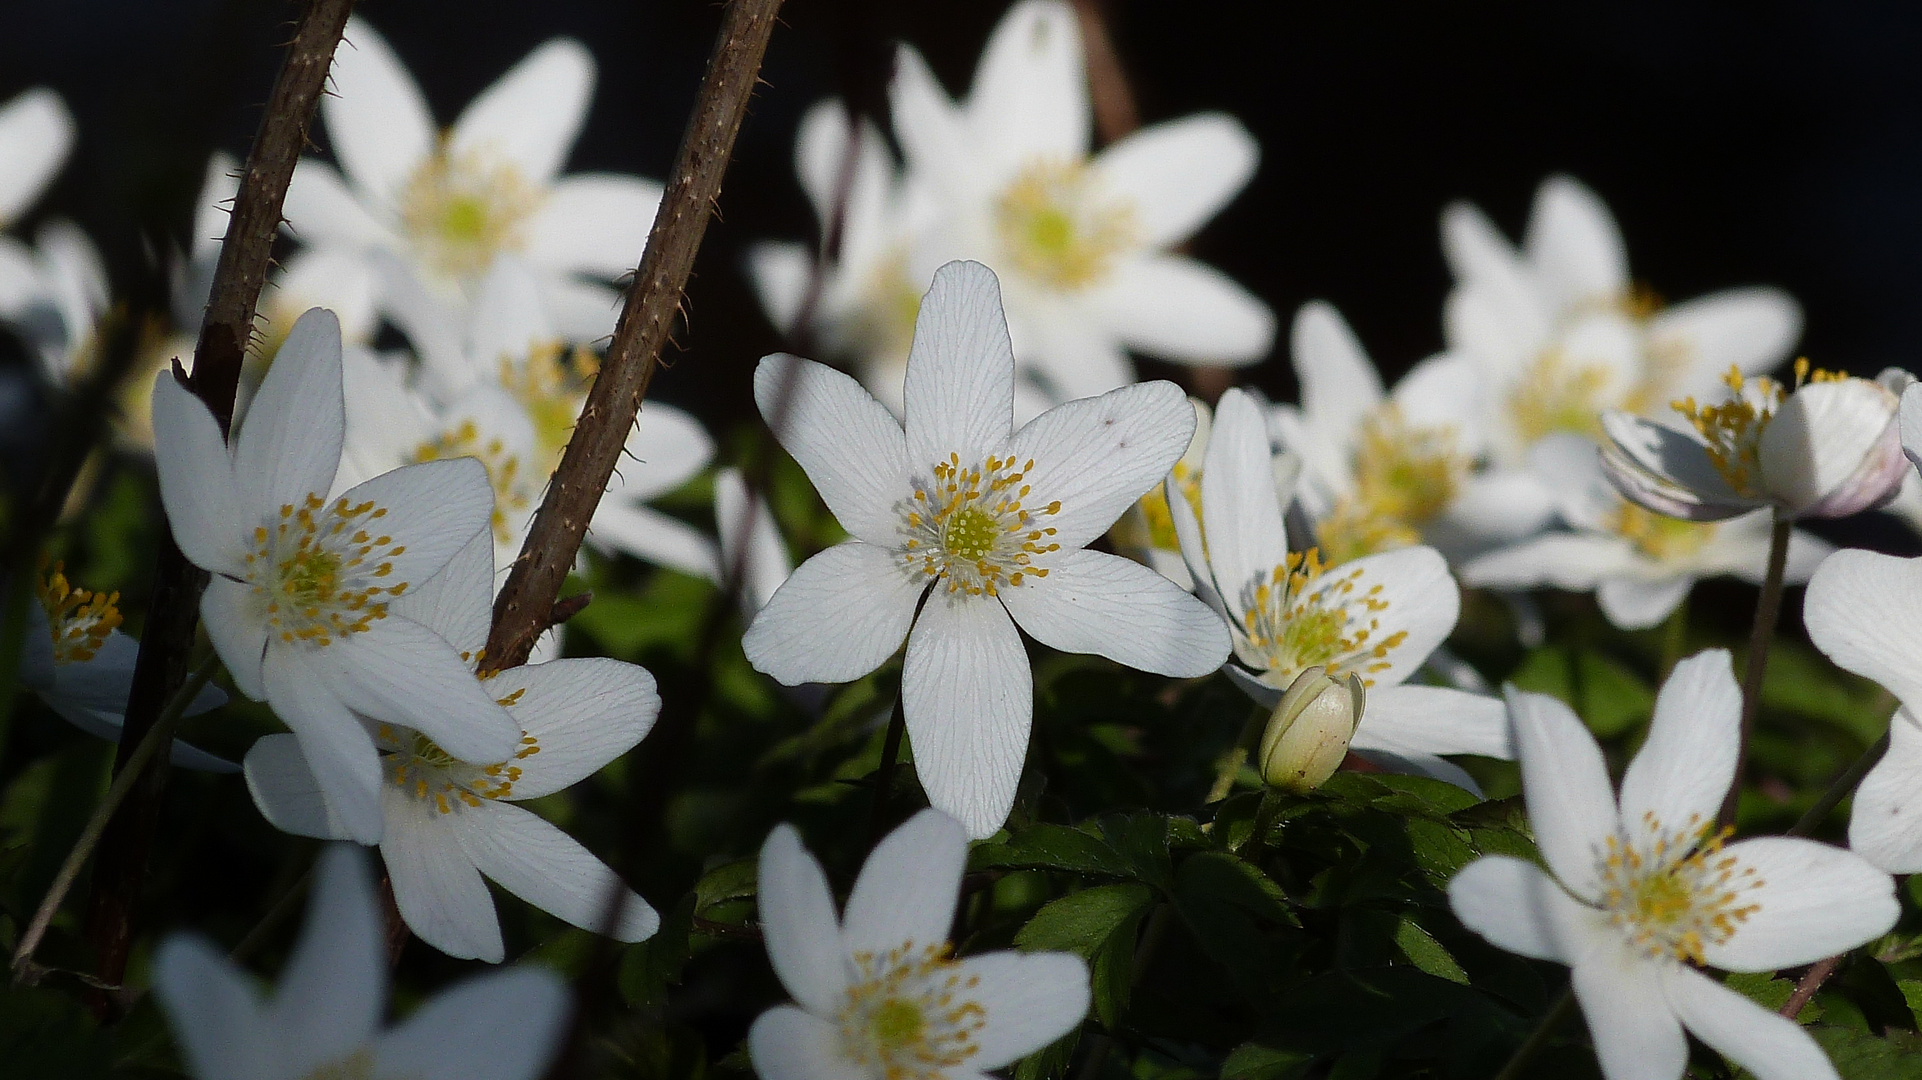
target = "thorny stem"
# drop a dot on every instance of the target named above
(1553, 1019)
(1810, 982)
(245, 259)
(159, 735)
(1768, 608)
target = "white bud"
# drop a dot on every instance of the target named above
(1308, 734)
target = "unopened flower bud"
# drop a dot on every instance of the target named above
(1308, 734)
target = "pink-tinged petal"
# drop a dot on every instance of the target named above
(1241, 511)
(197, 485)
(36, 133)
(1833, 449)
(440, 894)
(1093, 602)
(850, 446)
(1635, 1030)
(334, 988)
(1098, 455)
(1177, 308)
(1751, 329)
(377, 118)
(1860, 611)
(1885, 820)
(532, 114)
(788, 1044)
(400, 672)
(321, 209)
(336, 747)
(289, 445)
(1565, 786)
(531, 858)
(285, 790)
(836, 618)
(1434, 720)
(908, 887)
(1574, 245)
(1769, 1046)
(593, 223)
(1032, 999)
(1030, 94)
(798, 923)
(1809, 900)
(960, 381)
(1683, 770)
(211, 1007)
(583, 713)
(1909, 424)
(1518, 907)
(1179, 174)
(504, 1025)
(968, 696)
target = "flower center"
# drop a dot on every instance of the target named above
(78, 619)
(511, 495)
(417, 765)
(1297, 619)
(908, 1016)
(1407, 472)
(1156, 515)
(883, 325)
(1556, 394)
(1354, 529)
(460, 210)
(1676, 892)
(970, 527)
(318, 574)
(1058, 228)
(1657, 536)
(550, 385)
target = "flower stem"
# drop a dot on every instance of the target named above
(1257, 843)
(884, 776)
(1807, 986)
(1545, 1029)
(158, 736)
(1228, 766)
(1674, 639)
(1840, 788)
(1768, 608)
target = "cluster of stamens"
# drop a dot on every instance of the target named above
(1058, 228)
(551, 384)
(461, 210)
(78, 619)
(1156, 526)
(1733, 429)
(511, 494)
(1406, 475)
(319, 574)
(1658, 536)
(1296, 619)
(1556, 394)
(1677, 892)
(418, 766)
(909, 1015)
(970, 528)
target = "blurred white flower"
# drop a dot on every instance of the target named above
(448, 203)
(1378, 617)
(51, 293)
(1639, 892)
(994, 519)
(751, 543)
(299, 607)
(878, 993)
(36, 135)
(1639, 564)
(449, 821)
(324, 1020)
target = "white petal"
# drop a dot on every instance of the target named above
(334, 988)
(504, 1025)
(1193, 552)
(1812, 900)
(1418, 598)
(1497, 506)
(1445, 391)
(1178, 308)
(1339, 384)
(531, 115)
(377, 119)
(1860, 612)
(594, 223)
(850, 446)
(667, 446)
(285, 790)
(960, 383)
(237, 632)
(908, 887)
(1496, 313)
(798, 923)
(336, 747)
(752, 550)
(1031, 999)
(788, 1044)
(289, 445)
(968, 696)
(1667, 471)
(1412, 763)
(457, 603)
(531, 858)
(440, 894)
(320, 209)
(1067, 354)
(581, 310)
(780, 271)
(1093, 602)
(1574, 244)
(1575, 561)
(1098, 455)
(1241, 512)
(836, 618)
(585, 712)
(337, 278)
(1178, 174)
(211, 1008)
(1565, 786)
(1683, 771)
(1030, 94)
(401, 672)
(434, 509)
(36, 133)
(1631, 604)
(196, 479)
(1768, 1045)
(1750, 329)
(1636, 1033)
(654, 537)
(1885, 822)
(1434, 720)
(1819, 440)
(1516, 906)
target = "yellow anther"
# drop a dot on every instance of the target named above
(80, 620)
(1059, 228)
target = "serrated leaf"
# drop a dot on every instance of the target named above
(1051, 1061)
(1422, 950)
(1081, 922)
(1860, 1056)
(729, 881)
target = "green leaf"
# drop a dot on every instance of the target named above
(1860, 1056)
(1608, 695)
(1422, 950)
(1051, 1061)
(650, 967)
(666, 615)
(1099, 925)
(729, 881)
(1253, 1061)
(1052, 847)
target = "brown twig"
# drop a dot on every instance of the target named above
(1807, 986)
(653, 303)
(224, 333)
(1115, 113)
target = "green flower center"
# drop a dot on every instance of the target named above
(461, 210)
(910, 1014)
(970, 527)
(1059, 229)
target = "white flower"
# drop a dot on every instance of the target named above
(1084, 244)
(1561, 333)
(324, 1020)
(878, 993)
(750, 541)
(1830, 448)
(1378, 617)
(1640, 565)
(299, 604)
(994, 519)
(450, 821)
(1643, 890)
(447, 204)
(52, 295)
(81, 664)
(36, 134)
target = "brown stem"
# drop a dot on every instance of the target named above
(245, 258)
(1811, 981)
(653, 303)
(1115, 113)
(1768, 609)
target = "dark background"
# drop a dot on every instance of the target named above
(1737, 142)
